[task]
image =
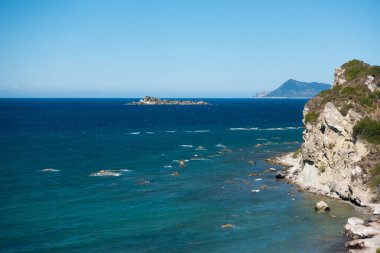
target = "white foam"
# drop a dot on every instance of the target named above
(105, 173)
(134, 133)
(242, 129)
(199, 131)
(258, 179)
(257, 190)
(170, 131)
(149, 132)
(220, 146)
(263, 129)
(167, 166)
(50, 170)
(186, 146)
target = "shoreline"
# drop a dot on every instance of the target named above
(363, 236)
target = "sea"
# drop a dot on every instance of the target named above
(98, 175)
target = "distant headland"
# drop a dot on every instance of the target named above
(147, 100)
(295, 89)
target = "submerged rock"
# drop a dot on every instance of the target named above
(182, 163)
(321, 206)
(228, 225)
(280, 176)
(175, 174)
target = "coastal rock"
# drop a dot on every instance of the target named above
(356, 229)
(182, 163)
(280, 176)
(355, 244)
(371, 84)
(339, 77)
(321, 206)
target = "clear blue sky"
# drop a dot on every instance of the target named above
(77, 48)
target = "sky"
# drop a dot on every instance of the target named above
(195, 48)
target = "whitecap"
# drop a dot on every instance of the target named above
(167, 166)
(50, 170)
(134, 133)
(256, 190)
(220, 146)
(149, 132)
(170, 131)
(199, 131)
(186, 146)
(105, 173)
(243, 129)
(258, 179)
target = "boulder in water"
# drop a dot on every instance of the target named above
(321, 206)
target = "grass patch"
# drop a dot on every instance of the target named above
(311, 117)
(354, 69)
(368, 129)
(375, 174)
(296, 153)
(345, 108)
(366, 101)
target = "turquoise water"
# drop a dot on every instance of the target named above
(146, 208)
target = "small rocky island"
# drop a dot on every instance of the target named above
(157, 101)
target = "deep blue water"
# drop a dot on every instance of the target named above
(146, 208)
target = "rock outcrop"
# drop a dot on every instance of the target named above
(147, 100)
(340, 155)
(334, 160)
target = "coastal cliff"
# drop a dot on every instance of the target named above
(340, 155)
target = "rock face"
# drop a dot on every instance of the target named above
(333, 161)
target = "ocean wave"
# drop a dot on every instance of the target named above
(199, 131)
(50, 170)
(105, 173)
(134, 133)
(263, 129)
(186, 146)
(170, 131)
(177, 161)
(220, 145)
(149, 132)
(109, 173)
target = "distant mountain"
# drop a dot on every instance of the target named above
(296, 89)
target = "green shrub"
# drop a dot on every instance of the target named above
(345, 108)
(311, 117)
(375, 176)
(368, 129)
(366, 101)
(354, 69)
(374, 71)
(296, 153)
(348, 90)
